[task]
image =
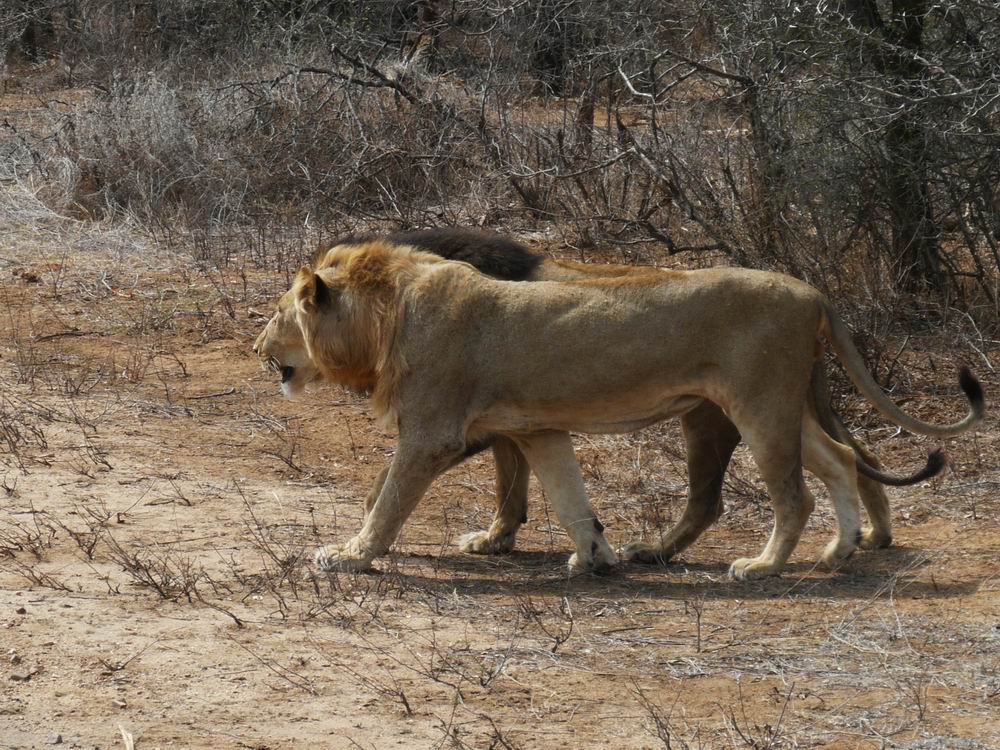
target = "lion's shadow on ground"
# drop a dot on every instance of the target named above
(897, 571)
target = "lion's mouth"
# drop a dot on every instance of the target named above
(273, 365)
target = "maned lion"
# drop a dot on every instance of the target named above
(710, 436)
(453, 357)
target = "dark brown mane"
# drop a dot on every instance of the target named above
(488, 252)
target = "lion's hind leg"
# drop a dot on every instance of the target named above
(877, 504)
(552, 459)
(834, 463)
(511, 491)
(792, 505)
(873, 497)
(872, 493)
(777, 453)
(711, 439)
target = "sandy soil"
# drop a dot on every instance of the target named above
(160, 500)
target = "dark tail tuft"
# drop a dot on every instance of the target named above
(973, 391)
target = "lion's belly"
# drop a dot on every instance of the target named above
(607, 417)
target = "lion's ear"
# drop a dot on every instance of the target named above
(311, 292)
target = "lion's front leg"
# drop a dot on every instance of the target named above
(413, 469)
(374, 492)
(345, 558)
(552, 458)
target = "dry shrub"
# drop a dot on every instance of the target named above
(21, 432)
(137, 149)
(777, 136)
(295, 146)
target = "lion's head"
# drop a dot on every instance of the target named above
(282, 349)
(339, 320)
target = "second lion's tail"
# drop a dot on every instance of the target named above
(831, 423)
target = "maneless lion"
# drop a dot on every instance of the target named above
(454, 358)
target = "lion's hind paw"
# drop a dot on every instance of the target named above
(875, 539)
(837, 552)
(749, 568)
(640, 552)
(481, 543)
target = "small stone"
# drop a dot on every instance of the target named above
(15, 658)
(119, 703)
(21, 611)
(54, 739)
(20, 676)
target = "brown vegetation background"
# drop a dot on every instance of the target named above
(165, 165)
(852, 143)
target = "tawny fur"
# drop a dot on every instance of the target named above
(759, 375)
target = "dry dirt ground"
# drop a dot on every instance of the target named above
(160, 500)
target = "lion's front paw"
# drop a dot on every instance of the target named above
(599, 558)
(481, 543)
(644, 553)
(342, 558)
(748, 568)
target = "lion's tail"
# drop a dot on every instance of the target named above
(936, 461)
(849, 356)
(865, 462)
